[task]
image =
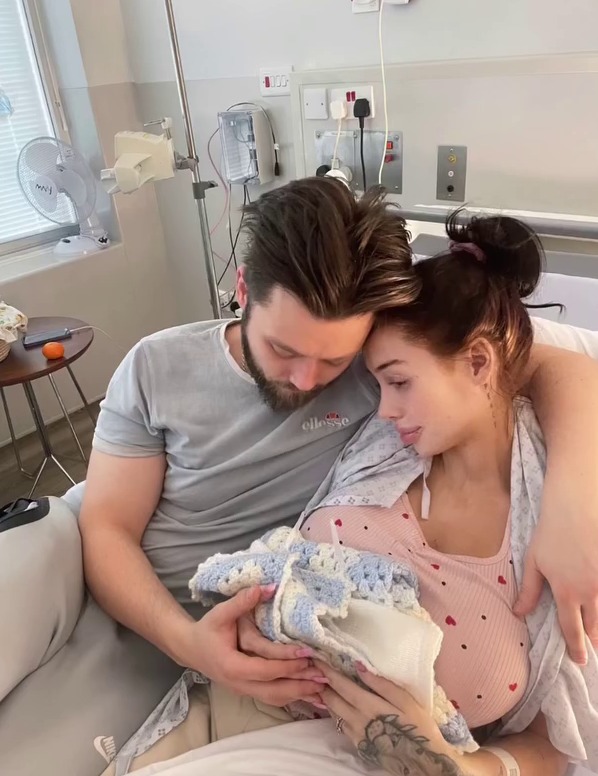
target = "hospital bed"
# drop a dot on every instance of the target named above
(579, 295)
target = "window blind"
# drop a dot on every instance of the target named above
(24, 115)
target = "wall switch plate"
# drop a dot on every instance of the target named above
(315, 104)
(452, 173)
(275, 81)
(365, 6)
(350, 94)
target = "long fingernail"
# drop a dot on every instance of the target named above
(320, 706)
(305, 653)
(268, 592)
(360, 667)
(320, 680)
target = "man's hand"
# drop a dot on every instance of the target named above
(227, 647)
(567, 558)
(563, 387)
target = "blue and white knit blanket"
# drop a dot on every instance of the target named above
(348, 606)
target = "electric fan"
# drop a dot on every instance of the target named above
(59, 184)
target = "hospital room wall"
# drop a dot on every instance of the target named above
(125, 290)
(225, 43)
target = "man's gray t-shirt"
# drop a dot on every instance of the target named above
(235, 468)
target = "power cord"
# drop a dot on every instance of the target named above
(384, 93)
(365, 183)
(233, 242)
(338, 109)
(232, 305)
(225, 186)
(97, 328)
(361, 111)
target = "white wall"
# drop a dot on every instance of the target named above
(528, 124)
(233, 38)
(61, 35)
(224, 43)
(106, 290)
(87, 42)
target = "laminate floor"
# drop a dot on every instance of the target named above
(14, 485)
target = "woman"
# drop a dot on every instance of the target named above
(451, 504)
(450, 367)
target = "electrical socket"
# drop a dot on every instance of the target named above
(365, 6)
(350, 94)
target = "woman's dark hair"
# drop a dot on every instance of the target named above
(475, 290)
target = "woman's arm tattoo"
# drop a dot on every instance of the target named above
(399, 749)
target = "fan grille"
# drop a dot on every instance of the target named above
(43, 167)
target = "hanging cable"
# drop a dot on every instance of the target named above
(338, 137)
(338, 110)
(235, 240)
(365, 183)
(384, 92)
(225, 185)
(361, 111)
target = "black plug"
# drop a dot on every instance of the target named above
(361, 110)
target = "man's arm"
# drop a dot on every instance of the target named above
(120, 498)
(121, 495)
(564, 389)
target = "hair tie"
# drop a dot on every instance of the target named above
(468, 247)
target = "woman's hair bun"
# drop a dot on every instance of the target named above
(506, 247)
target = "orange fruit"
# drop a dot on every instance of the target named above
(53, 350)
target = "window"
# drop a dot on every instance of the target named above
(27, 102)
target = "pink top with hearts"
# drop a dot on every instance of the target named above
(483, 664)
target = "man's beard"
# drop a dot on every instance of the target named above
(281, 397)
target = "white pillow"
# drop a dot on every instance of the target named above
(562, 335)
(579, 295)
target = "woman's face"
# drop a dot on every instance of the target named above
(435, 403)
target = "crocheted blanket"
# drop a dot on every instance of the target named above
(348, 606)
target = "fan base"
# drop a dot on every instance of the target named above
(78, 245)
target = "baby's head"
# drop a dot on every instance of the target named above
(445, 361)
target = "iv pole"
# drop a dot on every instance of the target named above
(199, 187)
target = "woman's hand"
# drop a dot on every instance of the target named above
(388, 727)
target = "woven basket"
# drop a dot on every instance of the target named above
(4, 350)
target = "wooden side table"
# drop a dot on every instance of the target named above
(23, 366)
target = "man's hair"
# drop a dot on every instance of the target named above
(337, 255)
